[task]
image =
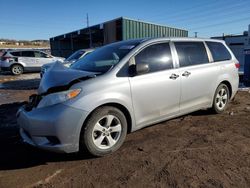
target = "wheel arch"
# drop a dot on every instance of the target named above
(17, 64)
(119, 106)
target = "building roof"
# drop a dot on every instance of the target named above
(119, 18)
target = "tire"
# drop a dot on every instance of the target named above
(104, 133)
(16, 69)
(221, 99)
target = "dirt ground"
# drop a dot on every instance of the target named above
(196, 150)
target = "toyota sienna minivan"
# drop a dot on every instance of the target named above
(125, 86)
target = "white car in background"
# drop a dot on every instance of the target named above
(19, 61)
(69, 61)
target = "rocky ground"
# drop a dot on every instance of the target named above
(196, 150)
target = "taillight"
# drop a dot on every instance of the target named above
(5, 58)
(237, 65)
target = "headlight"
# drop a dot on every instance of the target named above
(59, 97)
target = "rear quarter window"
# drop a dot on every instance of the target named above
(219, 51)
(17, 54)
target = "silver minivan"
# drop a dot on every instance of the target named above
(123, 87)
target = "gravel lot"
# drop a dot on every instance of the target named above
(196, 150)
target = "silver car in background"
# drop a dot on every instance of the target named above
(69, 61)
(123, 87)
(19, 61)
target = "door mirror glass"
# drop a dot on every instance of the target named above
(142, 68)
(138, 69)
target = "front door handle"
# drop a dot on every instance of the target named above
(174, 76)
(186, 73)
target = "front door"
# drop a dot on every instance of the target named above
(42, 58)
(156, 93)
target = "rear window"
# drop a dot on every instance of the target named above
(4, 53)
(219, 51)
(17, 54)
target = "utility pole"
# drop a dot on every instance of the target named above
(90, 36)
(195, 34)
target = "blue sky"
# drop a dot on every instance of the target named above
(42, 19)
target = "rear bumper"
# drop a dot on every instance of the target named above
(5, 66)
(55, 128)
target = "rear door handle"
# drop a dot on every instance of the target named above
(174, 76)
(186, 73)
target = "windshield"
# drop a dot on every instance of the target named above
(75, 55)
(105, 58)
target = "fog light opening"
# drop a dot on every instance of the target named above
(53, 140)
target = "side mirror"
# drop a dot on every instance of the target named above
(138, 69)
(142, 68)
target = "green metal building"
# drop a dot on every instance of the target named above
(108, 32)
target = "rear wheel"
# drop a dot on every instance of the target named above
(221, 99)
(105, 131)
(16, 69)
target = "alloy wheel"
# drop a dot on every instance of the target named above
(106, 132)
(221, 98)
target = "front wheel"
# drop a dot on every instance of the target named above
(221, 99)
(105, 131)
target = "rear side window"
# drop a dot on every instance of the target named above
(17, 54)
(191, 53)
(28, 54)
(157, 56)
(219, 51)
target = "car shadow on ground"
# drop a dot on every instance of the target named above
(17, 155)
(20, 84)
(8, 73)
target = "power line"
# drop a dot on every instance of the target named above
(217, 13)
(221, 23)
(184, 10)
(217, 6)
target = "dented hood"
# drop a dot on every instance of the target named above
(58, 76)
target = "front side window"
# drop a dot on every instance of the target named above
(28, 54)
(43, 55)
(39, 54)
(105, 58)
(219, 51)
(158, 57)
(191, 53)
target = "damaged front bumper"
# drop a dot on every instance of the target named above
(55, 128)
